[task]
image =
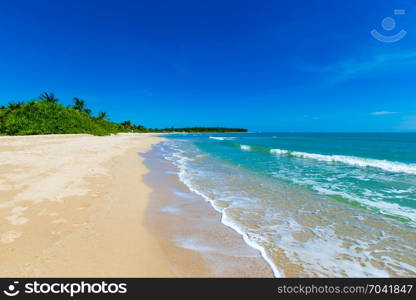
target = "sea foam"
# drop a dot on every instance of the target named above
(319, 255)
(221, 138)
(245, 147)
(279, 151)
(390, 166)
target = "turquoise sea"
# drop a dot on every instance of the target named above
(314, 204)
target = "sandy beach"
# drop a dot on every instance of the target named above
(87, 206)
(73, 205)
(190, 231)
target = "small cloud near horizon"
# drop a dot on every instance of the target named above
(384, 112)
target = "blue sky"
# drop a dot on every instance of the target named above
(265, 65)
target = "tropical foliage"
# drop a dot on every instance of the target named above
(48, 97)
(47, 116)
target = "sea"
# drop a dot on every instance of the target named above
(313, 204)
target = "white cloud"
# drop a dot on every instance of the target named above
(383, 112)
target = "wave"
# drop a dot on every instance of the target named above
(185, 175)
(390, 166)
(386, 208)
(222, 138)
(245, 147)
(320, 255)
(279, 151)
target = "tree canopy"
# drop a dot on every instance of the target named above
(47, 116)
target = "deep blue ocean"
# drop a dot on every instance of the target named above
(315, 204)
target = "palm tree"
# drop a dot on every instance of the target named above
(88, 111)
(102, 115)
(79, 104)
(48, 97)
(126, 124)
(14, 105)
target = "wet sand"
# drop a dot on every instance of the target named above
(190, 231)
(87, 206)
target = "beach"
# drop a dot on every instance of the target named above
(203, 205)
(313, 204)
(76, 206)
(190, 231)
(73, 205)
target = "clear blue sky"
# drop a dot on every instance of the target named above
(265, 65)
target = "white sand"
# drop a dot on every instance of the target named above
(72, 205)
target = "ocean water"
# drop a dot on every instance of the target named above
(314, 204)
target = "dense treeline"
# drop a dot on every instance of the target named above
(202, 129)
(46, 116)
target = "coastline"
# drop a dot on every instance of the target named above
(114, 206)
(195, 240)
(73, 206)
(270, 200)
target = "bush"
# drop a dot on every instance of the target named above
(46, 116)
(41, 117)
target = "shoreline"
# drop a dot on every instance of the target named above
(88, 206)
(70, 207)
(189, 226)
(269, 200)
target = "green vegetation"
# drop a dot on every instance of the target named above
(46, 116)
(199, 130)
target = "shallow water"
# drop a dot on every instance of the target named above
(190, 232)
(313, 204)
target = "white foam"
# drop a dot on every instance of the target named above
(279, 151)
(221, 138)
(390, 166)
(396, 191)
(180, 162)
(245, 147)
(229, 222)
(319, 256)
(384, 207)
